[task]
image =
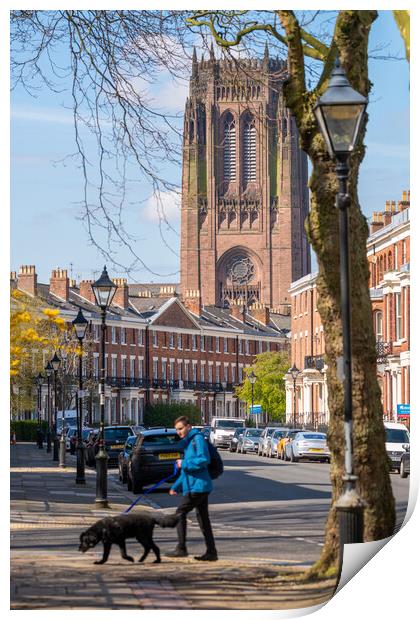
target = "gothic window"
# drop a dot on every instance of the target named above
(249, 151)
(229, 151)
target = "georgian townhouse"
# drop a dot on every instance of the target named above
(159, 349)
(388, 252)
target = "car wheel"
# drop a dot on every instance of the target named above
(293, 458)
(403, 472)
(137, 487)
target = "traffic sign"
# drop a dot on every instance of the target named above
(255, 409)
(403, 410)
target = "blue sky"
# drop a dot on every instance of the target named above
(46, 187)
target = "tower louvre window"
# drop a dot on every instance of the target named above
(249, 152)
(229, 151)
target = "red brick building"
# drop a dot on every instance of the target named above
(159, 349)
(244, 187)
(388, 251)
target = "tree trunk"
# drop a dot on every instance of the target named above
(370, 458)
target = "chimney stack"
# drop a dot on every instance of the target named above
(192, 301)
(59, 283)
(167, 291)
(237, 310)
(121, 294)
(261, 313)
(86, 290)
(27, 279)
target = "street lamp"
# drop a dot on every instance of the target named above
(340, 112)
(55, 363)
(62, 450)
(252, 379)
(39, 381)
(48, 372)
(294, 372)
(104, 291)
(80, 325)
(224, 386)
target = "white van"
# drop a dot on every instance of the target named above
(70, 419)
(397, 437)
(222, 429)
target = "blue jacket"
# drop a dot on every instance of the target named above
(194, 477)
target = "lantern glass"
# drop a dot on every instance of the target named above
(80, 325)
(340, 126)
(55, 362)
(252, 378)
(48, 369)
(104, 290)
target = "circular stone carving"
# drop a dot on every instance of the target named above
(240, 269)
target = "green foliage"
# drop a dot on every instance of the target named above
(26, 429)
(269, 388)
(164, 414)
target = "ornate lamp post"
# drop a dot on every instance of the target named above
(39, 381)
(48, 372)
(104, 291)
(62, 451)
(80, 325)
(252, 379)
(339, 113)
(55, 363)
(224, 386)
(294, 372)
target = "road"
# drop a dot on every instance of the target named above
(265, 508)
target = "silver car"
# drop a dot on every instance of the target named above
(308, 445)
(264, 439)
(273, 442)
(249, 440)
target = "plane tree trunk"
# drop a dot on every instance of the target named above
(370, 458)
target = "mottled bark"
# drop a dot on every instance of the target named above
(370, 459)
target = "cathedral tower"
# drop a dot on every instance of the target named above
(244, 186)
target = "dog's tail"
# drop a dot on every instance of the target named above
(167, 520)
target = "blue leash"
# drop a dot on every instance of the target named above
(155, 486)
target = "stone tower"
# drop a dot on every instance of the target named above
(244, 186)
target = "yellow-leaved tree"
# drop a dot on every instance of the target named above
(34, 330)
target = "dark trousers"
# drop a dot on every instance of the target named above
(199, 501)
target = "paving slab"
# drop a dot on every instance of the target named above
(48, 571)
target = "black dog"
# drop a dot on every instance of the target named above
(117, 529)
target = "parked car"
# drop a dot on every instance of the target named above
(114, 437)
(222, 430)
(405, 463)
(123, 458)
(152, 458)
(281, 446)
(71, 437)
(397, 438)
(264, 439)
(233, 445)
(248, 442)
(138, 429)
(273, 441)
(307, 445)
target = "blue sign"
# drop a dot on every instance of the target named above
(403, 410)
(255, 409)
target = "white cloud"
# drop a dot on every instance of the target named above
(42, 115)
(166, 206)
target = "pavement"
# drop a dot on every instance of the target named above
(48, 513)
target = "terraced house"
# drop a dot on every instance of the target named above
(388, 252)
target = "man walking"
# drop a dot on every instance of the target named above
(196, 485)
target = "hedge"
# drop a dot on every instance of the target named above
(26, 429)
(163, 414)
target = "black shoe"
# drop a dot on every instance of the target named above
(207, 557)
(177, 553)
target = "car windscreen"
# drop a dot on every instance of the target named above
(149, 440)
(117, 435)
(86, 432)
(229, 424)
(313, 436)
(254, 432)
(396, 435)
(278, 434)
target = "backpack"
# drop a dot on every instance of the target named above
(215, 466)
